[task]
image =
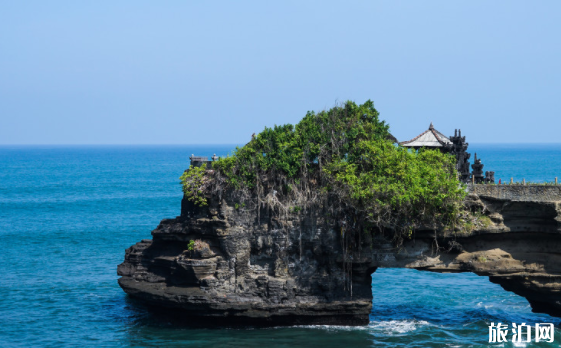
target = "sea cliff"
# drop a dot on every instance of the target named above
(250, 268)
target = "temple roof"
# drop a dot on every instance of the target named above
(429, 138)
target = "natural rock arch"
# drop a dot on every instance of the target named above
(270, 272)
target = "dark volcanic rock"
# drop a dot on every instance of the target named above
(260, 271)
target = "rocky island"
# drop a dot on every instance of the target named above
(263, 241)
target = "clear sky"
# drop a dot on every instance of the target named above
(185, 72)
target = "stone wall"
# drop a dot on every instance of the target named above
(539, 193)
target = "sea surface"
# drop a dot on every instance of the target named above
(67, 214)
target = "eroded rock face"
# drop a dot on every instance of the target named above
(261, 271)
(520, 250)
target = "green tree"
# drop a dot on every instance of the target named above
(340, 160)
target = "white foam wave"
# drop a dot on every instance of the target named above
(386, 327)
(334, 327)
(397, 326)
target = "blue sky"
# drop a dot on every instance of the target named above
(182, 72)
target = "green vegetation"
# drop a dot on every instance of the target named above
(194, 182)
(485, 221)
(474, 221)
(197, 245)
(339, 161)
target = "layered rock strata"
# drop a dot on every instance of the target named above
(250, 268)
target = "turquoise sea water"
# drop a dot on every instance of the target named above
(68, 213)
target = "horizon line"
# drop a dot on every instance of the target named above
(238, 144)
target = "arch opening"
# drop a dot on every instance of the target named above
(444, 307)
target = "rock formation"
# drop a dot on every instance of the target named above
(248, 267)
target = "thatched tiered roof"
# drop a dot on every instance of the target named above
(429, 138)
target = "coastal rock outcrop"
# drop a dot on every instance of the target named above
(247, 267)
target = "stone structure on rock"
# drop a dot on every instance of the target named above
(249, 267)
(477, 173)
(199, 161)
(489, 177)
(455, 145)
(458, 148)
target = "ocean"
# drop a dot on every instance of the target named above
(67, 214)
